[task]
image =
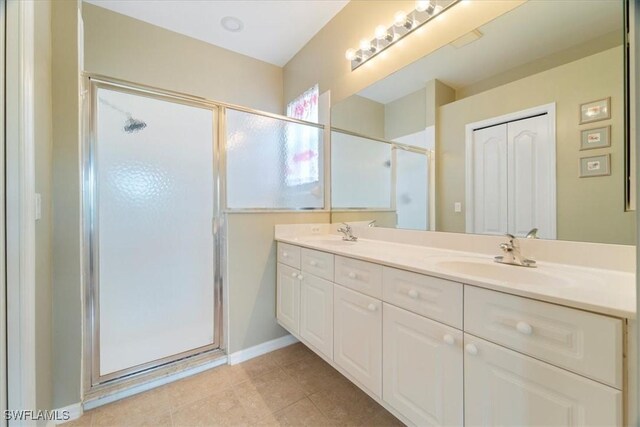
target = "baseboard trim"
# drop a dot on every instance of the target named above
(121, 394)
(260, 349)
(75, 411)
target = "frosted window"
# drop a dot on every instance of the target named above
(273, 163)
(360, 172)
(154, 203)
(412, 179)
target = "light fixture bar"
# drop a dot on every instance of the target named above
(403, 25)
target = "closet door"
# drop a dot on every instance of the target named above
(531, 177)
(490, 180)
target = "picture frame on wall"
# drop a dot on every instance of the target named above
(595, 111)
(595, 138)
(595, 166)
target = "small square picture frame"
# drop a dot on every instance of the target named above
(595, 166)
(594, 111)
(595, 138)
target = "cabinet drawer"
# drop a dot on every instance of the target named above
(582, 342)
(289, 254)
(317, 263)
(359, 275)
(428, 296)
(505, 388)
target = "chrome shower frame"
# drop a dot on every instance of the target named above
(94, 385)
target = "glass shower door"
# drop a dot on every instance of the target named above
(153, 208)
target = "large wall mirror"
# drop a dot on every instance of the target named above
(518, 125)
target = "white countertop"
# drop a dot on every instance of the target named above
(609, 292)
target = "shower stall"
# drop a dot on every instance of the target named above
(150, 211)
(159, 169)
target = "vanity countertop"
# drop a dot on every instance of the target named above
(609, 292)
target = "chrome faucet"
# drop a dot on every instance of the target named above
(348, 233)
(512, 254)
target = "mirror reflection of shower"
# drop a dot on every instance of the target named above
(131, 125)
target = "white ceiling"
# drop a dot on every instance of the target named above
(274, 31)
(532, 31)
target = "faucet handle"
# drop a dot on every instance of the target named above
(533, 234)
(372, 223)
(346, 226)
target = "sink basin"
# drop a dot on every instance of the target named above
(503, 273)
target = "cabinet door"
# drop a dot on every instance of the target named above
(288, 297)
(316, 313)
(358, 337)
(505, 388)
(422, 368)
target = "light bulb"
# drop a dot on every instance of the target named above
(365, 44)
(381, 32)
(350, 54)
(400, 18)
(422, 5)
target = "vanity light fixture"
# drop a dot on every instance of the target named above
(403, 24)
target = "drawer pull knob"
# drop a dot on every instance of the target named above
(372, 307)
(413, 294)
(352, 275)
(524, 328)
(313, 263)
(300, 277)
(448, 339)
(294, 274)
(471, 349)
(285, 254)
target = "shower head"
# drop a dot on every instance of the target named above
(134, 125)
(131, 125)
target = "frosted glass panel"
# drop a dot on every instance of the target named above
(412, 190)
(153, 168)
(360, 172)
(272, 163)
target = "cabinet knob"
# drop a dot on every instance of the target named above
(524, 328)
(352, 275)
(372, 307)
(285, 254)
(448, 339)
(471, 349)
(413, 293)
(300, 277)
(313, 263)
(294, 274)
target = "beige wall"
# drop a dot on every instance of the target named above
(589, 209)
(132, 50)
(67, 309)
(406, 115)
(44, 177)
(322, 58)
(252, 275)
(360, 115)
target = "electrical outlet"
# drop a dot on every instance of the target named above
(457, 207)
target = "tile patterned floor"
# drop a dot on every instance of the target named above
(288, 387)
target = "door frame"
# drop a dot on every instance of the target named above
(550, 111)
(20, 203)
